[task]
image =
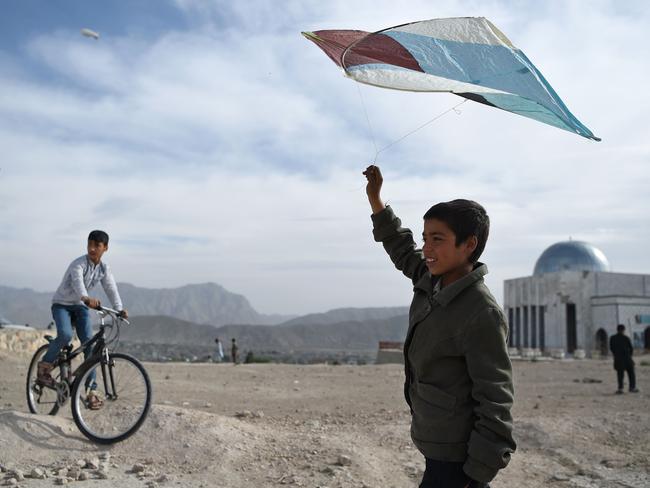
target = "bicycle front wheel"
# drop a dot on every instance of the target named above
(124, 391)
(42, 399)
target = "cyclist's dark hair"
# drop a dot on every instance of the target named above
(620, 327)
(465, 218)
(98, 236)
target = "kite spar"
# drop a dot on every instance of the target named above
(466, 56)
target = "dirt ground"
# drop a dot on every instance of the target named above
(259, 425)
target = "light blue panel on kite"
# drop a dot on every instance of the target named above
(527, 108)
(492, 66)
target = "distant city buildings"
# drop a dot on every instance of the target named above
(573, 302)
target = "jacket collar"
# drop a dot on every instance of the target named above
(448, 293)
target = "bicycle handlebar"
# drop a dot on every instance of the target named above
(115, 313)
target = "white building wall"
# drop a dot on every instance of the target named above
(602, 300)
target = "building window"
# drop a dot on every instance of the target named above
(533, 326)
(571, 328)
(518, 327)
(542, 327)
(511, 341)
(526, 343)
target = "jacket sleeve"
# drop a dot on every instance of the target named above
(110, 287)
(399, 244)
(76, 272)
(486, 352)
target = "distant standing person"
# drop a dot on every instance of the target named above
(621, 347)
(218, 353)
(233, 351)
(458, 381)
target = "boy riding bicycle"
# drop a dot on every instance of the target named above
(70, 306)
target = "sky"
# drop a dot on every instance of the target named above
(215, 144)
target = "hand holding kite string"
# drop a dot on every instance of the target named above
(466, 56)
(373, 188)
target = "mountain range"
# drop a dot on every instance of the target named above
(347, 335)
(208, 303)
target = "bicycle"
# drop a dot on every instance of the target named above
(119, 378)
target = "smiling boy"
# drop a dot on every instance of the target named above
(71, 301)
(458, 374)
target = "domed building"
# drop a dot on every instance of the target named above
(573, 302)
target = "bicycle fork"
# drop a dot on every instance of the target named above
(111, 393)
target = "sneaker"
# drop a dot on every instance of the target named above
(43, 376)
(619, 391)
(93, 401)
(634, 390)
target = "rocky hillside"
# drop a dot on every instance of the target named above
(348, 315)
(348, 335)
(206, 303)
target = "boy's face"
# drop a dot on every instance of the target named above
(442, 255)
(96, 250)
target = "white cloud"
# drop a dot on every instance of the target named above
(232, 152)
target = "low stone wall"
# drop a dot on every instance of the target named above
(390, 356)
(23, 342)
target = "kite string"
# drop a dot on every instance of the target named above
(454, 109)
(372, 132)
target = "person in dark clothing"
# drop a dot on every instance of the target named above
(458, 375)
(622, 349)
(233, 351)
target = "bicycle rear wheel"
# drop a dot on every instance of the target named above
(41, 399)
(124, 387)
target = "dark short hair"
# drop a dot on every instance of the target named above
(465, 218)
(98, 236)
(620, 327)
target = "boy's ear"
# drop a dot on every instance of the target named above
(470, 245)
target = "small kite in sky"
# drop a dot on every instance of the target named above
(90, 33)
(467, 56)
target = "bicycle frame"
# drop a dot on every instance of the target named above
(67, 354)
(95, 385)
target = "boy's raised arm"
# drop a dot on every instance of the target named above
(397, 240)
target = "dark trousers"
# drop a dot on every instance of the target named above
(441, 474)
(630, 374)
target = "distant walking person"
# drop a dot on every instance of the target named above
(233, 351)
(621, 347)
(218, 352)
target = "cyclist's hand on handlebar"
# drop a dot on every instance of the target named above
(124, 314)
(91, 302)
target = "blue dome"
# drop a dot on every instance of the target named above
(571, 256)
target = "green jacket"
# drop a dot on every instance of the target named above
(458, 373)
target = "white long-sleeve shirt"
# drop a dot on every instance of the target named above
(80, 277)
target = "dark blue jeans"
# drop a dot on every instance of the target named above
(65, 316)
(442, 474)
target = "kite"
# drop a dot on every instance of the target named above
(89, 33)
(466, 56)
